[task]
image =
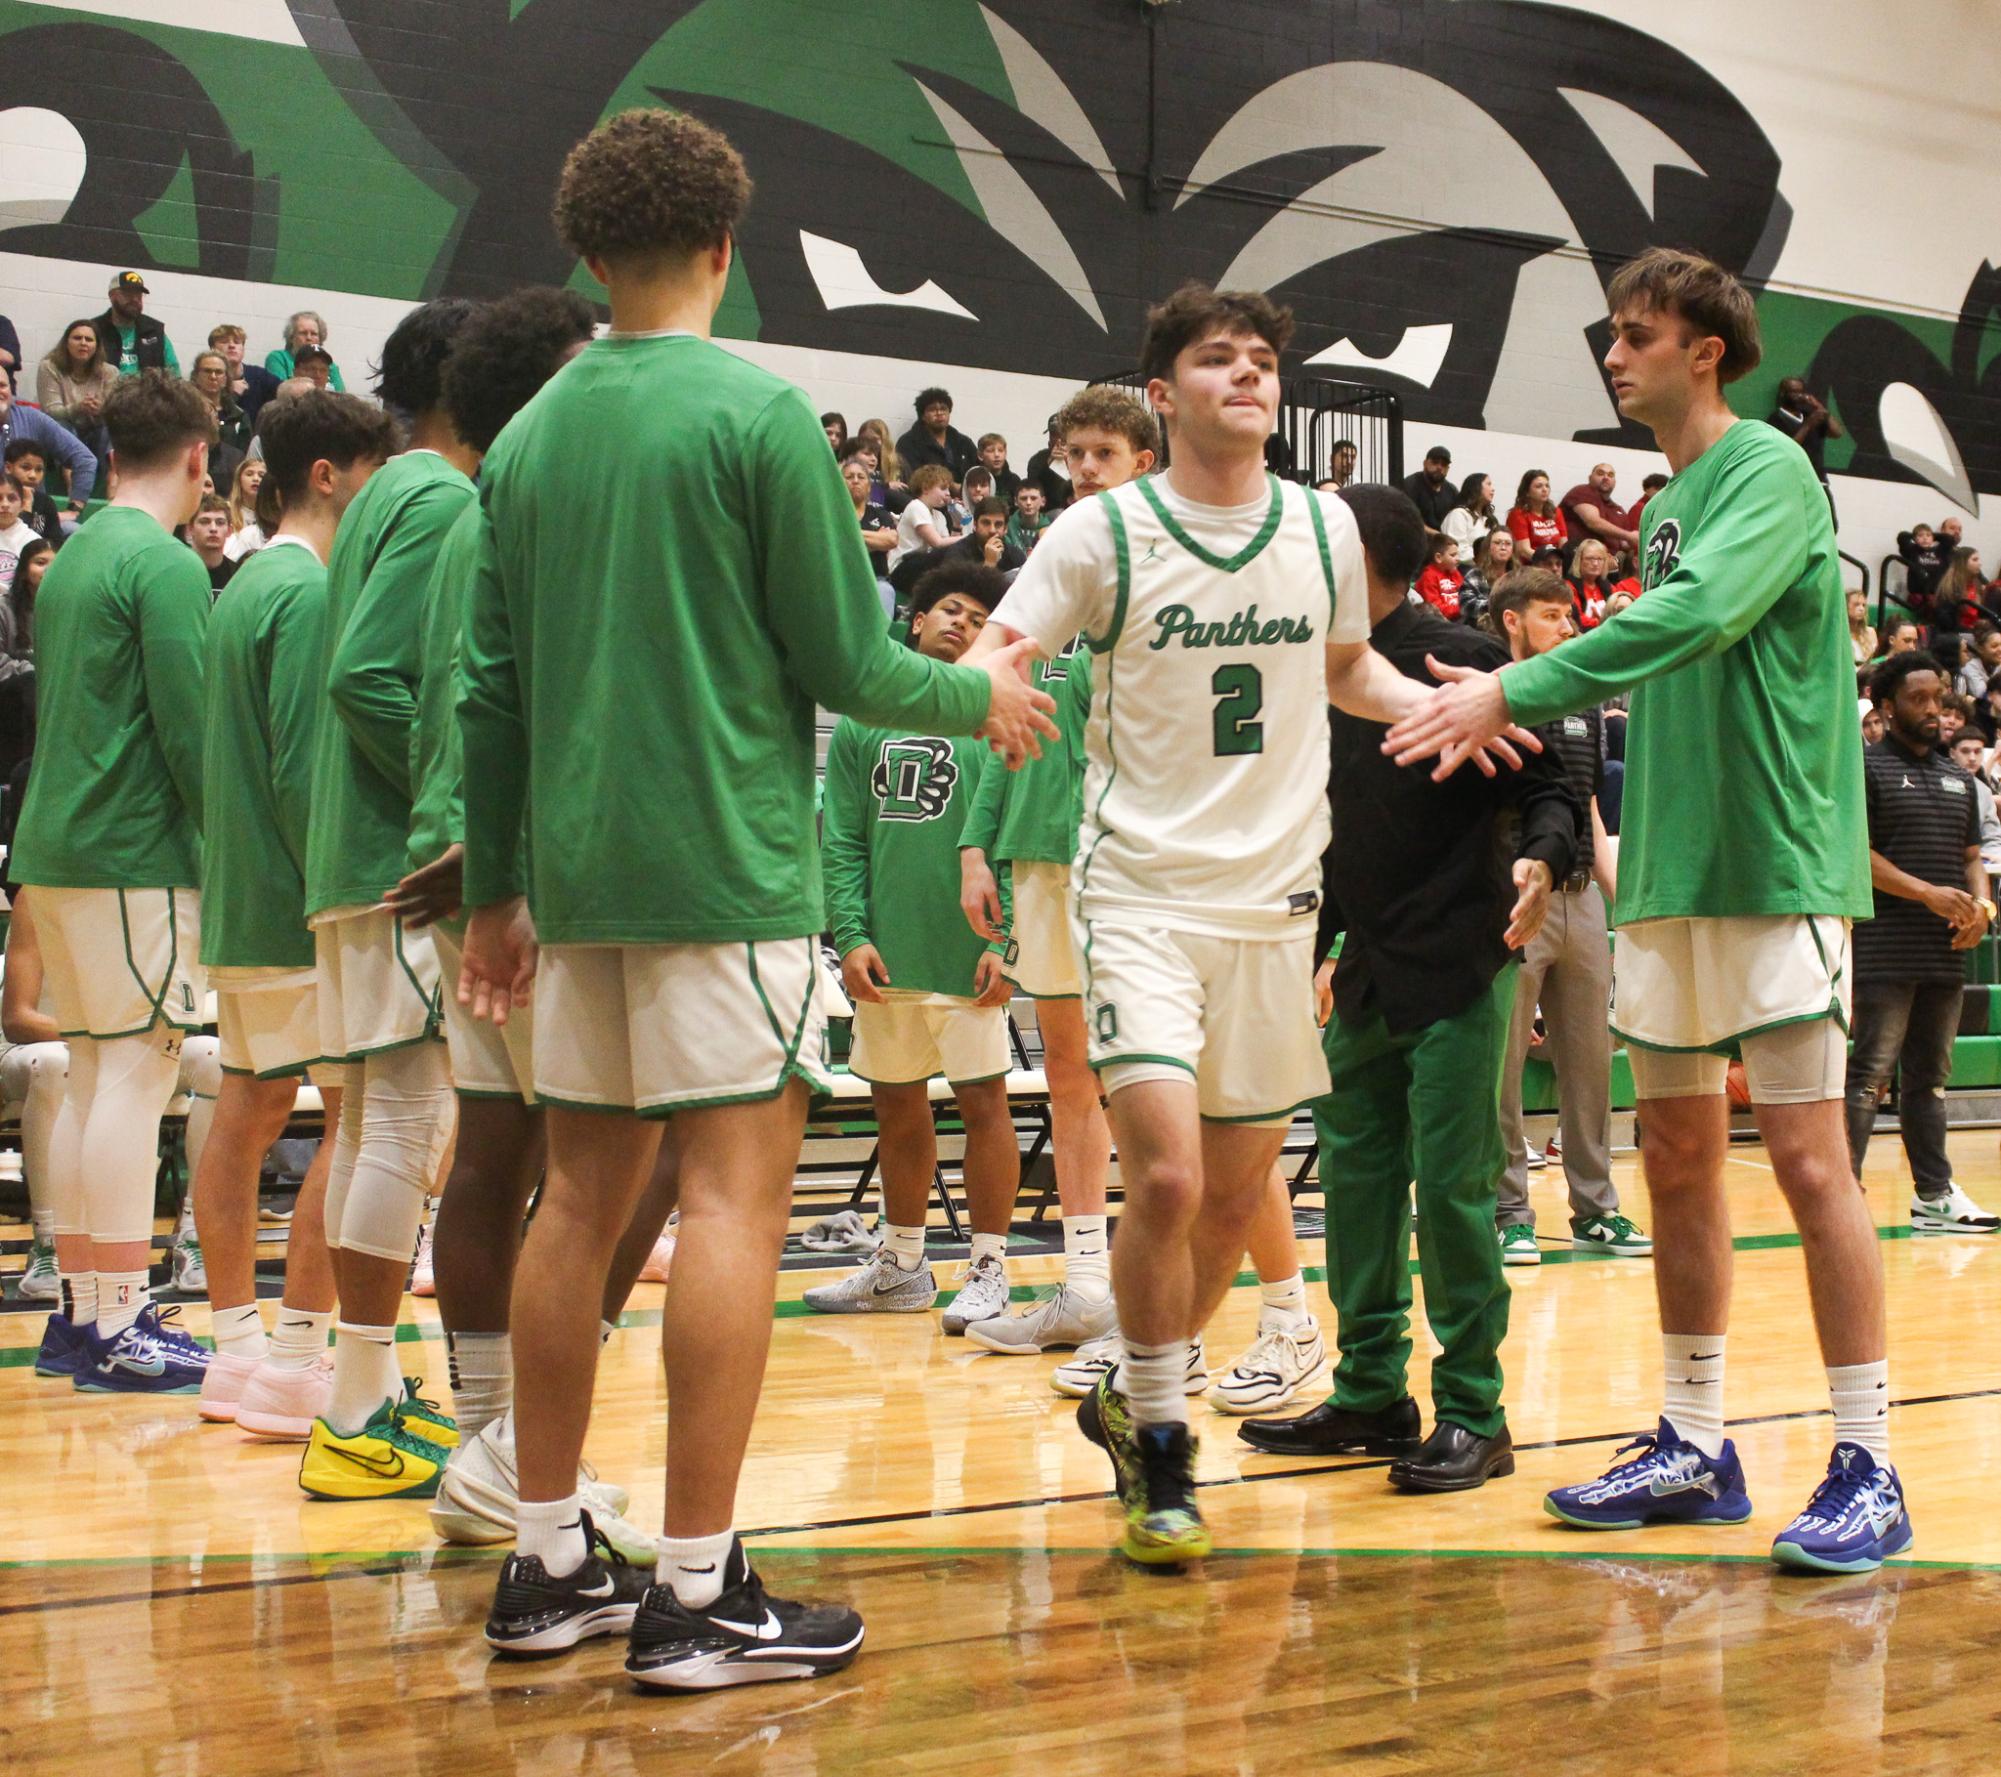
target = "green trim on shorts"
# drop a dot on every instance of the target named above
(434, 1002)
(479, 1092)
(1130, 1060)
(926, 1079)
(792, 1071)
(355, 1055)
(297, 1071)
(1027, 994)
(578, 1104)
(157, 1001)
(1272, 1117)
(1726, 1046)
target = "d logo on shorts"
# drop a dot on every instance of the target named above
(914, 778)
(1108, 1024)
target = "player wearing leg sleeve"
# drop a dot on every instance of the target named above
(266, 650)
(1020, 840)
(929, 995)
(378, 981)
(34, 1071)
(109, 841)
(1733, 909)
(1220, 604)
(504, 355)
(671, 869)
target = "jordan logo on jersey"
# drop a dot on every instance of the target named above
(914, 778)
(1243, 629)
(1663, 553)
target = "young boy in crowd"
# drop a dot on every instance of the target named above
(1439, 582)
(1028, 521)
(929, 995)
(28, 464)
(15, 533)
(993, 457)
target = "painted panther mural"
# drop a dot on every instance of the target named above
(1001, 184)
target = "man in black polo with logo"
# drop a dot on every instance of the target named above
(1436, 886)
(1931, 904)
(1567, 967)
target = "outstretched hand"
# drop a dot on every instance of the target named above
(431, 893)
(1018, 713)
(1466, 717)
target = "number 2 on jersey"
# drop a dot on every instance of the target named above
(1240, 695)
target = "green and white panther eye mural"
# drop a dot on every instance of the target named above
(1440, 188)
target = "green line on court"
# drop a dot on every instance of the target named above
(22, 1357)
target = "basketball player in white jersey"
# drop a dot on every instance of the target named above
(1223, 608)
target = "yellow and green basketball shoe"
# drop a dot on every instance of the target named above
(426, 1418)
(1153, 1468)
(386, 1459)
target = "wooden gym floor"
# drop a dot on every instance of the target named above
(170, 1603)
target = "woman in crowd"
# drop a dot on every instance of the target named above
(892, 493)
(246, 535)
(303, 329)
(1535, 519)
(210, 376)
(1861, 633)
(1959, 602)
(835, 425)
(72, 382)
(17, 609)
(1492, 558)
(1593, 585)
(1473, 518)
(877, 521)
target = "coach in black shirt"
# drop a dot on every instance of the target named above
(1436, 887)
(1431, 490)
(1924, 860)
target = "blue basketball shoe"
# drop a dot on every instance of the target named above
(65, 1347)
(1669, 1482)
(148, 1357)
(1855, 1521)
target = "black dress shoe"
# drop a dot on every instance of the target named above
(1338, 1431)
(1454, 1460)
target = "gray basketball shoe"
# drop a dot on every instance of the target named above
(877, 1286)
(1059, 1321)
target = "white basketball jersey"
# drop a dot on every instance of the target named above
(1205, 793)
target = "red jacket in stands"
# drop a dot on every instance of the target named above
(1439, 588)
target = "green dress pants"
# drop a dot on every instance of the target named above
(1423, 1106)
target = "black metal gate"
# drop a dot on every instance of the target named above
(1316, 415)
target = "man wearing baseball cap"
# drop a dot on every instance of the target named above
(1431, 487)
(128, 336)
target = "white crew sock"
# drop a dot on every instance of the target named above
(239, 1332)
(905, 1245)
(1153, 1378)
(45, 1227)
(552, 1530)
(1692, 1401)
(605, 1330)
(299, 1340)
(1282, 1304)
(482, 1372)
(1087, 1257)
(988, 1246)
(82, 1297)
(364, 1375)
(121, 1298)
(692, 1566)
(1862, 1407)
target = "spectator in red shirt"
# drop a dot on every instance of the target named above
(1593, 585)
(1438, 585)
(1957, 604)
(1590, 511)
(1535, 520)
(1648, 488)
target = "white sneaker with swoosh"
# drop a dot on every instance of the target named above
(878, 1286)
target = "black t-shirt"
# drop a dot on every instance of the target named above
(1793, 424)
(1055, 485)
(876, 518)
(1577, 744)
(1923, 815)
(1432, 502)
(222, 573)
